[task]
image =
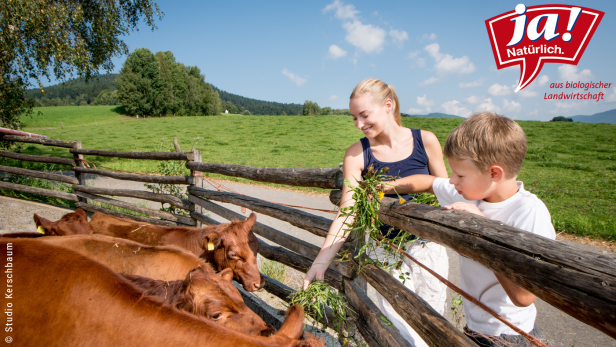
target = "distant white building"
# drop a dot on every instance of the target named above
(226, 111)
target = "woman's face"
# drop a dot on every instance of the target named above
(368, 116)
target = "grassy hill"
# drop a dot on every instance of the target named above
(570, 166)
(608, 117)
(70, 116)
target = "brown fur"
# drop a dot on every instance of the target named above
(235, 244)
(65, 299)
(70, 224)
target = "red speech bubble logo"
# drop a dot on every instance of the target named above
(536, 35)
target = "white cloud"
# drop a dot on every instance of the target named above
(472, 100)
(611, 97)
(423, 101)
(498, 90)
(476, 83)
(533, 113)
(413, 54)
(399, 36)
(428, 81)
(512, 106)
(570, 73)
(332, 98)
(430, 37)
(564, 107)
(366, 37)
(342, 11)
(447, 64)
(487, 106)
(336, 52)
(526, 92)
(416, 111)
(293, 77)
(453, 107)
(542, 80)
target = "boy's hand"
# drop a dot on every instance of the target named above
(464, 206)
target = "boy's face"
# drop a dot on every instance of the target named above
(469, 181)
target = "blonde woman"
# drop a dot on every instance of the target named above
(376, 112)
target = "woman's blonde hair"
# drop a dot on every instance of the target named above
(380, 93)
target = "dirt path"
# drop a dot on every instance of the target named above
(559, 328)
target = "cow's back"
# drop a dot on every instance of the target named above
(125, 256)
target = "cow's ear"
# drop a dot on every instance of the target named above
(226, 274)
(42, 223)
(211, 241)
(250, 222)
(186, 302)
(82, 214)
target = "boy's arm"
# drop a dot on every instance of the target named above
(518, 295)
(410, 185)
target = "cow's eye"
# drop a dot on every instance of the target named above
(233, 255)
(217, 315)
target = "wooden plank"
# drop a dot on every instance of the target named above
(304, 220)
(294, 244)
(37, 158)
(160, 214)
(81, 177)
(139, 194)
(335, 196)
(259, 307)
(298, 262)
(135, 155)
(368, 318)
(40, 141)
(580, 283)
(39, 174)
(135, 177)
(433, 328)
(196, 181)
(94, 208)
(203, 218)
(322, 178)
(39, 191)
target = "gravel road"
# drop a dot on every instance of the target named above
(559, 328)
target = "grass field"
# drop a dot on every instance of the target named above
(570, 166)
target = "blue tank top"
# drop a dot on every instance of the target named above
(415, 164)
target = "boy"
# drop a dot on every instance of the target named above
(485, 154)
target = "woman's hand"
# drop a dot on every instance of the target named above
(317, 271)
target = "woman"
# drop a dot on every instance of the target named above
(376, 112)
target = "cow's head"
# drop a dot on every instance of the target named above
(70, 224)
(235, 246)
(214, 297)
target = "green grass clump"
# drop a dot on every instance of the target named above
(274, 270)
(316, 298)
(571, 167)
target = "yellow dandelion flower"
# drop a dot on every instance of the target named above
(402, 201)
(381, 196)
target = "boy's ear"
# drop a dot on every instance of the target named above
(497, 173)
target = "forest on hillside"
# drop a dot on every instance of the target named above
(76, 92)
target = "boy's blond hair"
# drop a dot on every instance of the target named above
(488, 139)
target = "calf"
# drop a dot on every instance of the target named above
(70, 224)
(62, 298)
(176, 277)
(230, 245)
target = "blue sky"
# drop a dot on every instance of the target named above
(436, 54)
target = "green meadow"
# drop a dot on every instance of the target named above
(570, 166)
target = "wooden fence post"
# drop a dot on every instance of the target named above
(81, 177)
(196, 180)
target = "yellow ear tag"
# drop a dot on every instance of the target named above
(40, 230)
(210, 246)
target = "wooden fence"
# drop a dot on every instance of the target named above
(580, 283)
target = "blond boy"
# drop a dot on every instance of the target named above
(485, 154)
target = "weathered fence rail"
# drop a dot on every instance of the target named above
(583, 284)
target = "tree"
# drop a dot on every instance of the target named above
(326, 111)
(60, 39)
(561, 119)
(139, 84)
(311, 109)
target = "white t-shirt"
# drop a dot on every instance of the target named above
(524, 211)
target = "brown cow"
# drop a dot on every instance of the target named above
(230, 245)
(177, 277)
(57, 297)
(70, 224)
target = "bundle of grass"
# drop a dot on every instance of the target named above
(315, 300)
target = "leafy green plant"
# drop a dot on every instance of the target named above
(316, 298)
(457, 311)
(170, 168)
(274, 270)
